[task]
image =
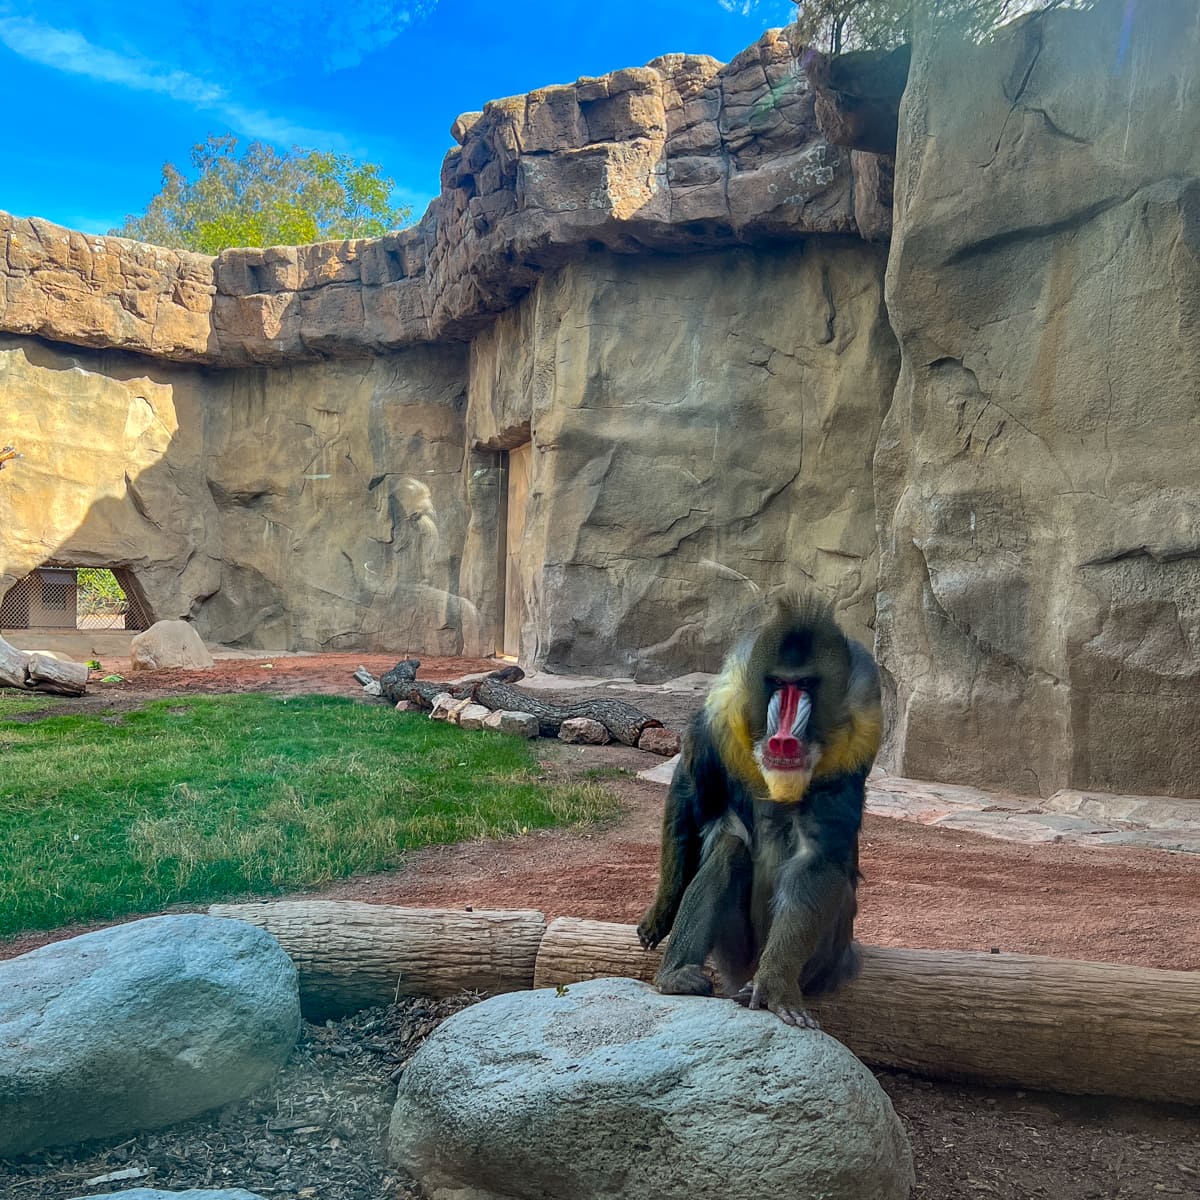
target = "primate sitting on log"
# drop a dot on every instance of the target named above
(760, 834)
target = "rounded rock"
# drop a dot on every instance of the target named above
(169, 645)
(610, 1089)
(583, 731)
(139, 1026)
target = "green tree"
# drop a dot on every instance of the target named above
(836, 25)
(265, 198)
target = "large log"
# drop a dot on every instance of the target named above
(1002, 1019)
(353, 955)
(624, 721)
(53, 675)
(13, 665)
(20, 669)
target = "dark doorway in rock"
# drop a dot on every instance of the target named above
(56, 596)
(516, 467)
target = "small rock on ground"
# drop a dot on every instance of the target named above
(169, 645)
(657, 740)
(473, 716)
(519, 724)
(583, 731)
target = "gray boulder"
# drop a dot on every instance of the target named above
(611, 1089)
(169, 645)
(139, 1026)
(190, 1194)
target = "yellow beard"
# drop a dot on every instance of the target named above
(787, 787)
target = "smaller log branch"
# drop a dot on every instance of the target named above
(623, 721)
(61, 678)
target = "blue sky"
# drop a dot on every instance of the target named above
(100, 94)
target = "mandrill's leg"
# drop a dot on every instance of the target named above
(717, 896)
(810, 901)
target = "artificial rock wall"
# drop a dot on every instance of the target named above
(655, 277)
(702, 430)
(1038, 474)
(315, 506)
(670, 284)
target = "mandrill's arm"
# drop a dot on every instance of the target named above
(809, 946)
(680, 854)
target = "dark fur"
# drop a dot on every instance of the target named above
(794, 881)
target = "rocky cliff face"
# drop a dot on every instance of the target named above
(314, 507)
(682, 155)
(679, 474)
(1038, 475)
(113, 469)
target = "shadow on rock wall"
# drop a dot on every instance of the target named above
(314, 508)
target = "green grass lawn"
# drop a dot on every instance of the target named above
(200, 799)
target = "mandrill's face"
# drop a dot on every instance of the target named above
(796, 695)
(786, 754)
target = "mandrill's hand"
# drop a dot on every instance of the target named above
(783, 998)
(654, 926)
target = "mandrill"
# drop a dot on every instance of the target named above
(760, 834)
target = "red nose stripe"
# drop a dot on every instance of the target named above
(784, 744)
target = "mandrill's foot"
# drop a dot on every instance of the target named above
(652, 929)
(786, 1003)
(684, 981)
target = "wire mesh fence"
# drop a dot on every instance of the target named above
(54, 597)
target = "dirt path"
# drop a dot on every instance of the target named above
(923, 887)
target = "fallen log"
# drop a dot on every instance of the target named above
(39, 672)
(401, 683)
(1004, 1020)
(13, 665)
(623, 721)
(352, 955)
(52, 675)
(1015, 1020)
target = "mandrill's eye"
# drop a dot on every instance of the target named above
(807, 683)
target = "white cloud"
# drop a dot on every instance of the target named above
(68, 50)
(779, 11)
